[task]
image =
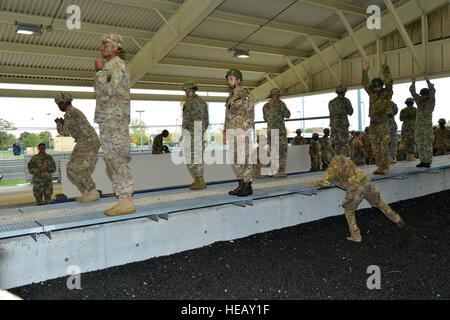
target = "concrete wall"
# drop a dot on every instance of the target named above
(159, 171)
(24, 261)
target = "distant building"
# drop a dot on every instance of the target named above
(63, 144)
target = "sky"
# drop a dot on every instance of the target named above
(29, 113)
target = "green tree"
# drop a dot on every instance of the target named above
(32, 140)
(23, 135)
(6, 139)
(45, 137)
(135, 134)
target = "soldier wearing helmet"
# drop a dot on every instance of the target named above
(367, 147)
(314, 153)
(325, 146)
(340, 108)
(393, 137)
(112, 113)
(441, 139)
(343, 173)
(239, 120)
(195, 111)
(424, 122)
(298, 140)
(380, 111)
(408, 117)
(84, 156)
(274, 113)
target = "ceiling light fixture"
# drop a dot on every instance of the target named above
(242, 54)
(23, 28)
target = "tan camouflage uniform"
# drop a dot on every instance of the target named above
(298, 140)
(42, 180)
(357, 152)
(340, 108)
(240, 114)
(441, 139)
(84, 155)
(325, 146)
(274, 113)
(314, 153)
(195, 109)
(367, 147)
(408, 117)
(343, 173)
(424, 123)
(379, 112)
(393, 137)
(112, 113)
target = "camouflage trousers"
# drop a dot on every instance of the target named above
(393, 144)
(365, 190)
(358, 160)
(315, 162)
(424, 142)
(242, 167)
(115, 141)
(340, 140)
(82, 164)
(195, 169)
(408, 138)
(368, 155)
(43, 187)
(379, 135)
(441, 150)
(282, 150)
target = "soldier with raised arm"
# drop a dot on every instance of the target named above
(380, 111)
(424, 121)
(84, 155)
(112, 113)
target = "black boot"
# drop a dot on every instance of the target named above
(421, 165)
(427, 165)
(246, 190)
(236, 191)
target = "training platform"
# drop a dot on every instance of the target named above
(41, 242)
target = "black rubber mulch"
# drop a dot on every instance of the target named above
(308, 261)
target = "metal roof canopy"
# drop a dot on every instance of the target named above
(305, 50)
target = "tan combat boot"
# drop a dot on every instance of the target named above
(355, 234)
(198, 184)
(90, 196)
(410, 157)
(124, 206)
(381, 171)
(400, 223)
(280, 175)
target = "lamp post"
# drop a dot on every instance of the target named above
(140, 123)
(49, 143)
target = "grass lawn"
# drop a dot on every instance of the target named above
(12, 183)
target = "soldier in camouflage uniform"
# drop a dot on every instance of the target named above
(274, 113)
(112, 113)
(401, 152)
(441, 138)
(424, 122)
(367, 147)
(408, 117)
(195, 110)
(157, 146)
(314, 153)
(84, 155)
(298, 140)
(239, 120)
(325, 146)
(340, 108)
(380, 111)
(393, 144)
(357, 150)
(262, 142)
(41, 166)
(344, 174)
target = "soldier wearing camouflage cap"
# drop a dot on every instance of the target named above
(340, 108)
(314, 153)
(325, 146)
(239, 120)
(380, 111)
(298, 140)
(84, 156)
(441, 139)
(112, 113)
(195, 112)
(424, 121)
(408, 117)
(274, 113)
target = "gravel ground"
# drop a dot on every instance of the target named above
(308, 261)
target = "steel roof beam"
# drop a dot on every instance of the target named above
(335, 5)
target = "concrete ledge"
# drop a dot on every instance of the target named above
(24, 261)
